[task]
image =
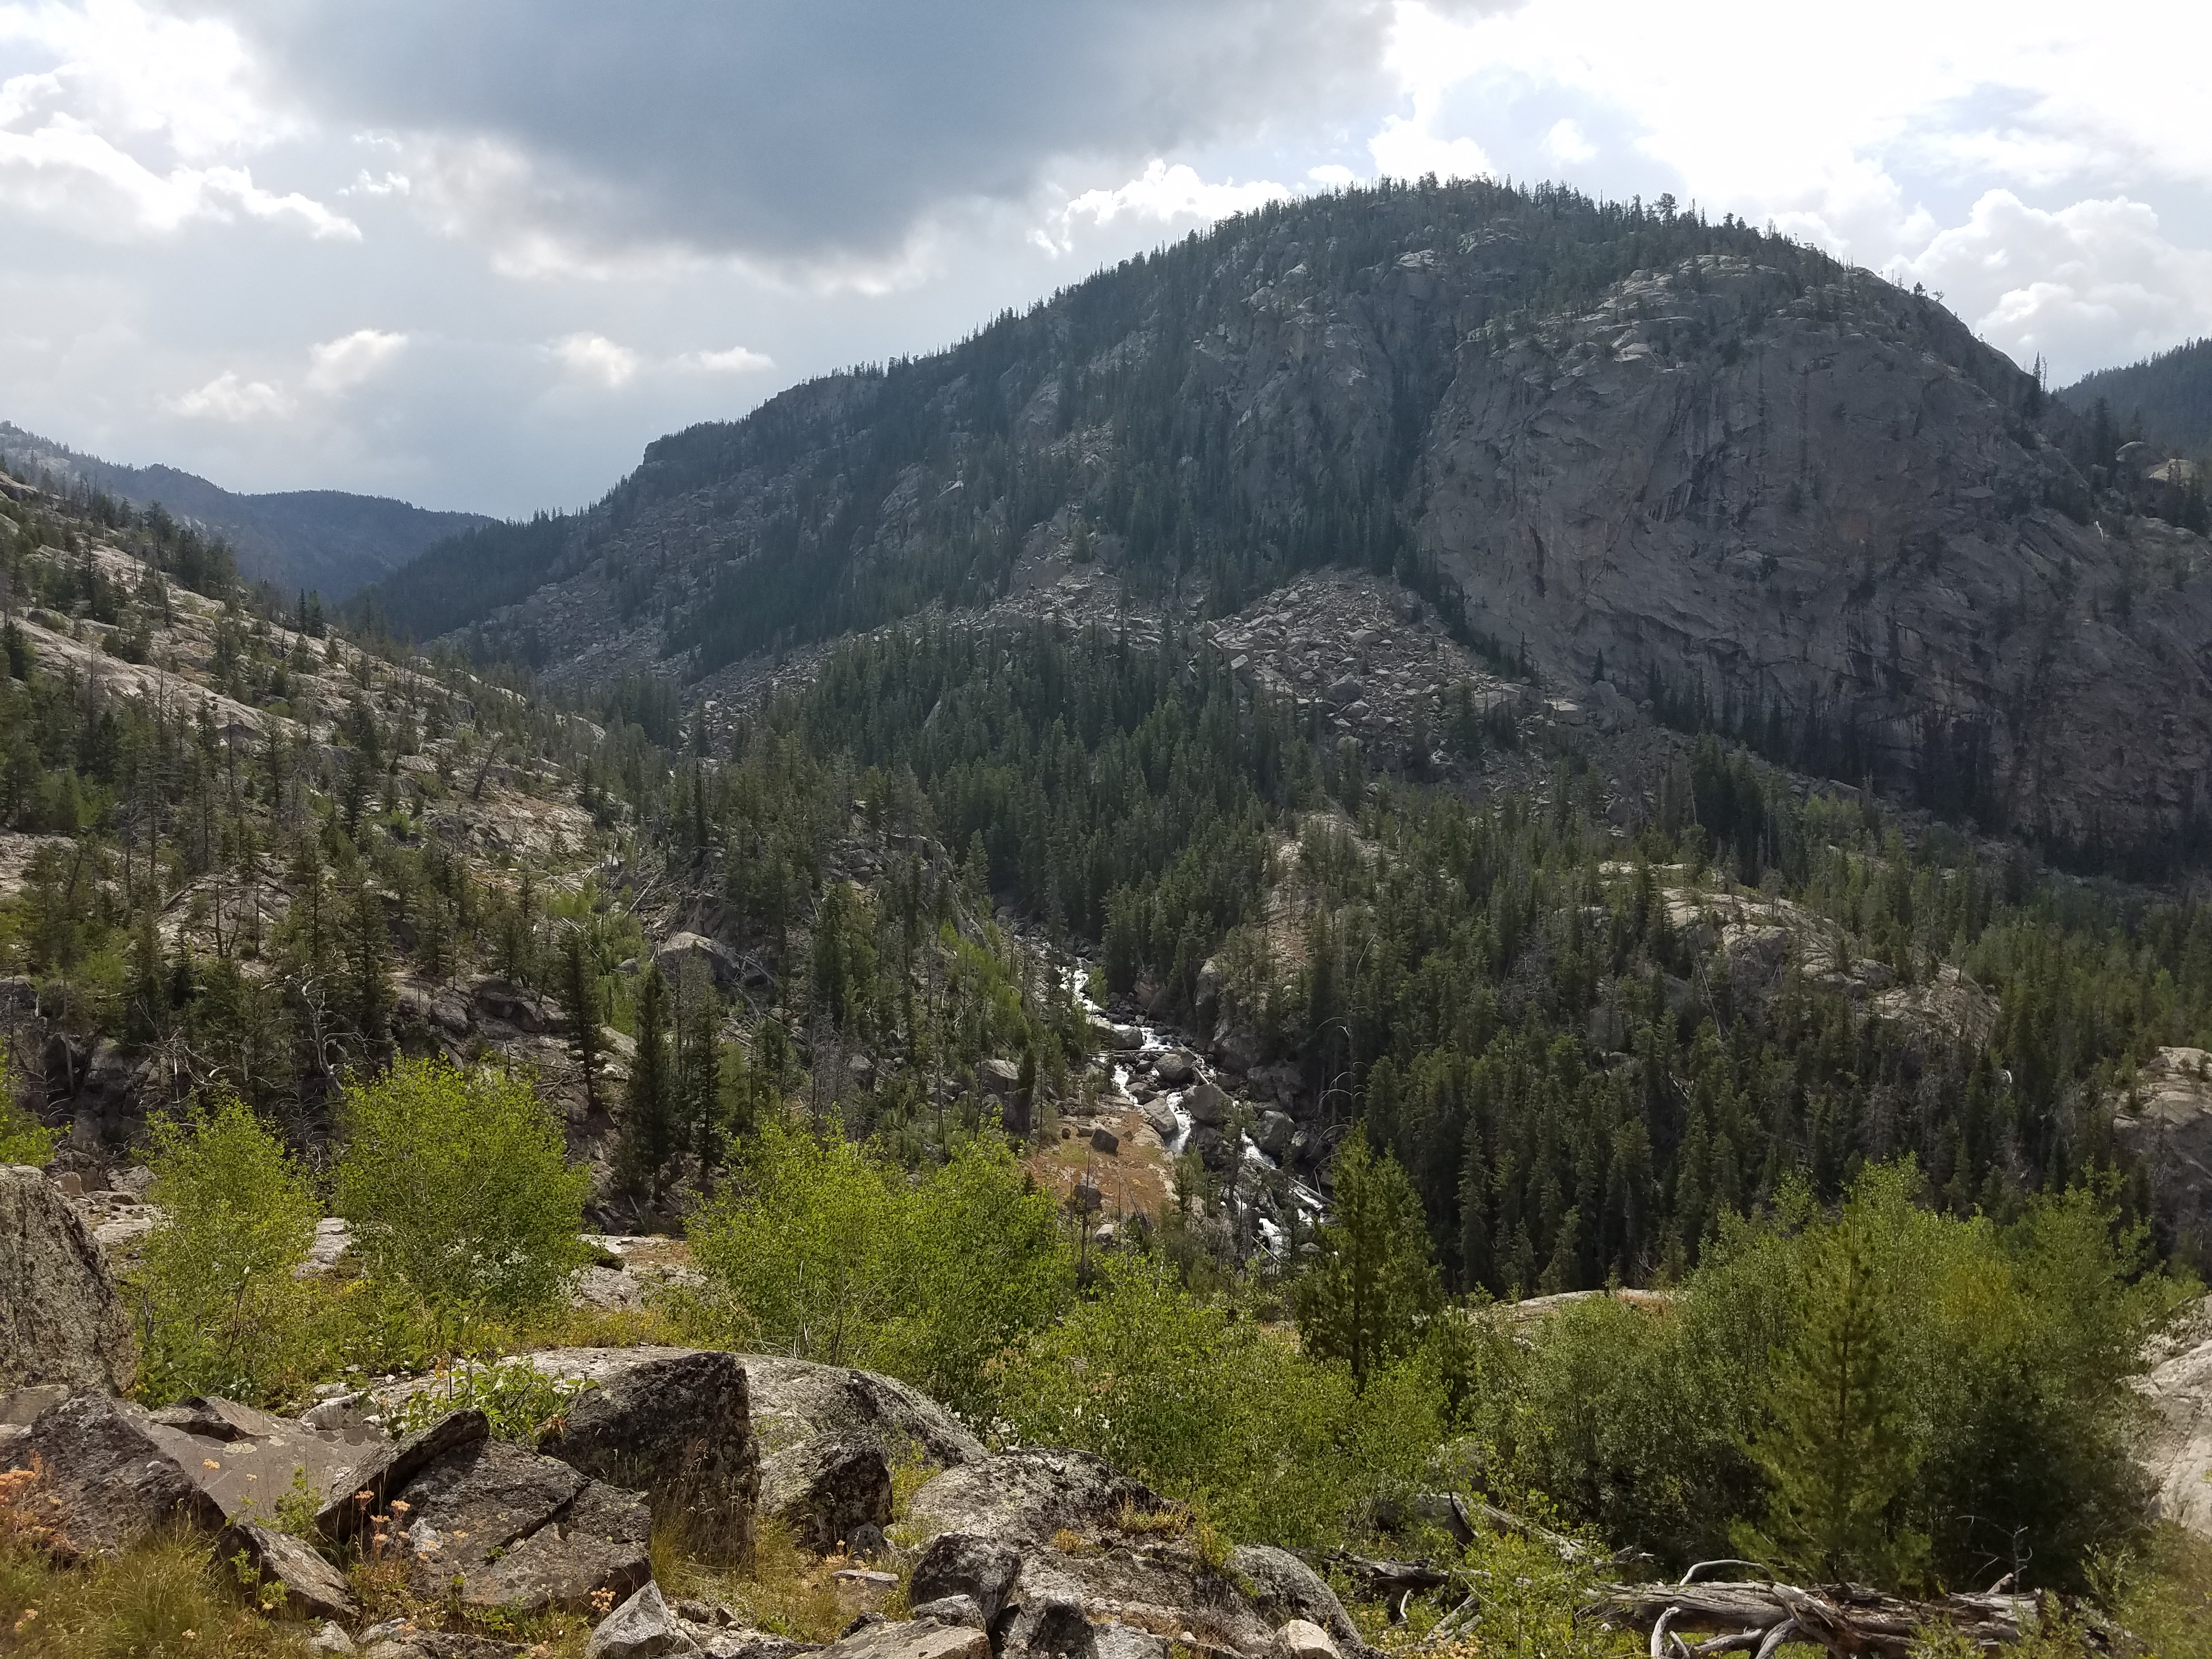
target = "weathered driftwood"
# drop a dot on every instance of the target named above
(1753, 1616)
(1389, 1578)
(1849, 1621)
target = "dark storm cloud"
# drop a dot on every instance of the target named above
(796, 129)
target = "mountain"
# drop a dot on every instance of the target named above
(326, 540)
(2170, 395)
(1760, 490)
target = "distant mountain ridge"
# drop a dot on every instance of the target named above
(1753, 488)
(2170, 393)
(327, 540)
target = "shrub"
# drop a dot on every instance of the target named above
(222, 1312)
(823, 1249)
(1216, 1413)
(23, 1138)
(982, 1264)
(800, 1254)
(457, 1184)
(518, 1400)
(2009, 1355)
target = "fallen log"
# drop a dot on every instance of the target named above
(1389, 1578)
(1851, 1621)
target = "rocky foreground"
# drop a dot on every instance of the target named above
(1013, 1553)
(1023, 1552)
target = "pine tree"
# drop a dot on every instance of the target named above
(699, 1070)
(1372, 1285)
(368, 944)
(579, 995)
(1837, 1449)
(649, 1121)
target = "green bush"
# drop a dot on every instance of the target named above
(223, 1313)
(1998, 1416)
(23, 1138)
(518, 1400)
(981, 1264)
(1216, 1412)
(457, 1184)
(823, 1249)
(801, 1252)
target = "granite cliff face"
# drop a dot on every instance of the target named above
(1838, 529)
(1746, 485)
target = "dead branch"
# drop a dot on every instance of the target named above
(1389, 1579)
(1851, 1621)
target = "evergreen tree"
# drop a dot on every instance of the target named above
(1837, 1448)
(650, 1125)
(368, 942)
(1372, 1285)
(579, 996)
(699, 1069)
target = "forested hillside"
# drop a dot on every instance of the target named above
(1772, 494)
(325, 541)
(2166, 399)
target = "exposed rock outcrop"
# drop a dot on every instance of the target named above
(249, 1462)
(2166, 1121)
(105, 1479)
(311, 1588)
(829, 1436)
(1056, 1553)
(519, 1532)
(643, 1627)
(675, 1424)
(2177, 1453)
(1025, 1497)
(60, 1321)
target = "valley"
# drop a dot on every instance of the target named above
(1268, 962)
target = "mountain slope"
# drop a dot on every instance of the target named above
(327, 540)
(1759, 489)
(2169, 393)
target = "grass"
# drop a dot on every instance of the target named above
(164, 1597)
(788, 1591)
(2163, 1595)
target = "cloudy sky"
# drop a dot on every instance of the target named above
(478, 253)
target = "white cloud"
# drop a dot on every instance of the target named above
(235, 401)
(595, 359)
(135, 124)
(1866, 138)
(1161, 193)
(384, 183)
(737, 360)
(341, 364)
(2084, 286)
(1565, 143)
(1408, 149)
(1332, 175)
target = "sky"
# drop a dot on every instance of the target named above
(477, 253)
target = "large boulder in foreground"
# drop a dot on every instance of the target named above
(250, 1462)
(921, 1638)
(1056, 1554)
(518, 1531)
(675, 1424)
(795, 1401)
(1027, 1496)
(61, 1321)
(104, 1478)
(832, 1497)
(830, 1437)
